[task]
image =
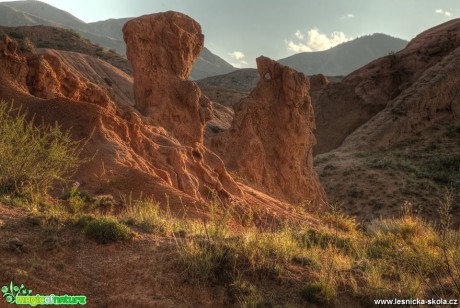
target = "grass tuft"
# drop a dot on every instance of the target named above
(105, 230)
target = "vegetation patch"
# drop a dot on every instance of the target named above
(105, 230)
(33, 156)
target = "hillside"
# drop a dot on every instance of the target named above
(394, 124)
(228, 89)
(64, 39)
(208, 64)
(105, 33)
(373, 124)
(346, 57)
(45, 12)
(28, 13)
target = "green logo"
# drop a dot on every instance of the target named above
(22, 296)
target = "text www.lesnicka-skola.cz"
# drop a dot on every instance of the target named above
(416, 301)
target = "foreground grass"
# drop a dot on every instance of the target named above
(405, 257)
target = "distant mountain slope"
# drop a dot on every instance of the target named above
(345, 58)
(228, 89)
(66, 40)
(29, 13)
(110, 27)
(208, 64)
(243, 80)
(45, 12)
(10, 16)
(105, 33)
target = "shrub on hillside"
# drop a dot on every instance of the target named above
(33, 157)
(26, 45)
(106, 230)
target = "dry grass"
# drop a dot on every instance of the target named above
(404, 257)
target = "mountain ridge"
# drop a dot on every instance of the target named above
(106, 33)
(346, 57)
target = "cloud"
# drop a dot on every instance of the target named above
(239, 64)
(314, 40)
(347, 16)
(447, 13)
(299, 35)
(237, 55)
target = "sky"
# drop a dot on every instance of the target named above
(241, 30)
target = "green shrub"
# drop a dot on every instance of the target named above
(15, 35)
(207, 261)
(77, 200)
(245, 293)
(84, 220)
(26, 45)
(149, 217)
(106, 230)
(33, 157)
(108, 81)
(314, 293)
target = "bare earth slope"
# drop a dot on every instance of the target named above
(394, 125)
(343, 107)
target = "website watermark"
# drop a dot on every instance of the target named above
(416, 301)
(20, 295)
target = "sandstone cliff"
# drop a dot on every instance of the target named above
(132, 152)
(162, 49)
(150, 140)
(271, 137)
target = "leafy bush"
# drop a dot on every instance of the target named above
(314, 293)
(26, 45)
(106, 230)
(33, 157)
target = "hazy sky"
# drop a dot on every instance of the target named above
(241, 30)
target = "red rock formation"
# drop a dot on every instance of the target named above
(318, 82)
(49, 78)
(270, 141)
(130, 153)
(131, 150)
(13, 66)
(162, 48)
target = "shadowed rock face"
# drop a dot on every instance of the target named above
(13, 66)
(318, 82)
(392, 86)
(162, 48)
(270, 141)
